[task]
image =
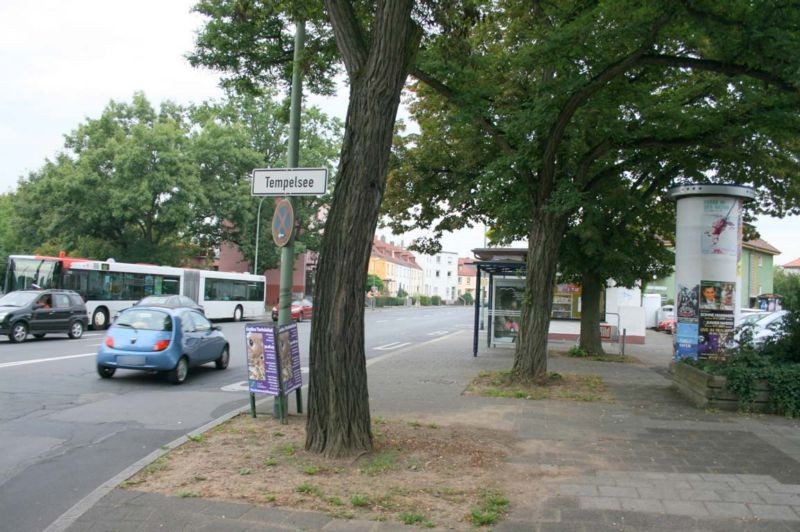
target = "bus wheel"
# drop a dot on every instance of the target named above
(100, 319)
(237, 313)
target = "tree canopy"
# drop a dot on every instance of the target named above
(164, 186)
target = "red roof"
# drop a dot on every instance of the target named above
(794, 264)
(762, 245)
(395, 254)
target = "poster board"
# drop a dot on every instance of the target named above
(273, 358)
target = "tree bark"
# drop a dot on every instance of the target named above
(591, 289)
(338, 401)
(530, 357)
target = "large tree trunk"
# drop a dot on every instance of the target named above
(591, 289)
(530, 357)
(338, 401)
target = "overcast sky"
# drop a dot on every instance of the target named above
(62, 62)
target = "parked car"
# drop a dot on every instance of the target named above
(301, 309)
(669, 325)
(41, 312)
(163, 339)
(767, 327)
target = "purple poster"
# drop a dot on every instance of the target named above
(289, 357)
(720, 220)
(262, 369)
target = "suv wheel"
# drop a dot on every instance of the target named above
(19, 331)
(76, 329)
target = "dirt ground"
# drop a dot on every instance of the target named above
(421, 472)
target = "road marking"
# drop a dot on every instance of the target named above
(41, 360)
(375, 360)
(393, 345)
(243, 386)
(438, 333)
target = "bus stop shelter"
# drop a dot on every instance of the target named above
(494, 262)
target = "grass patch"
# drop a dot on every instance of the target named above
(571, 387)
(410, 518)
(493, 505)
(187, 494)
(359, 500)
(270, 461)
(381, 463)
(309, 489)
(311, 470)
(197, 438)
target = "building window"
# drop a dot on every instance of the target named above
(760, 262)
(437, 273)
(449, 274)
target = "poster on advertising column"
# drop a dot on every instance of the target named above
(288, 358)
(716, 322)
(720, 227)
(262, 372)
(686, 317)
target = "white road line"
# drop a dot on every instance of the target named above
(393, 345)
(437, 333)
(41, 360)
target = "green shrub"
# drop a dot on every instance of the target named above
(424, 301)
(436, 300)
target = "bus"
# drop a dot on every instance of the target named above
(108, 286)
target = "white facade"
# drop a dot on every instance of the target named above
(439, 275)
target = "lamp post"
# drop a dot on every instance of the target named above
(258, 226)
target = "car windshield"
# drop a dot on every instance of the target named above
(18, 299)
(752, 318)
(152, 320)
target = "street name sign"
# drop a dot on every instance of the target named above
(289, 181)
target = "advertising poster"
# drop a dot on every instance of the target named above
(288, 358)
(508, 309)
(720, 227)
(686, 341)
(716, 318)
(262, 369)
(686, 309)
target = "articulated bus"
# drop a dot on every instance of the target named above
(109, 286)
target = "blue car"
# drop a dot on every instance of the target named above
(168, 340)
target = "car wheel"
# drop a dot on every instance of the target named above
(178, 375)
(19, 331)
(76, 329)
(237, 313)
(39, 336)
(100, 319)
(224, 359)
(105, 372)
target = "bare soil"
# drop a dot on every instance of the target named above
(451, 473)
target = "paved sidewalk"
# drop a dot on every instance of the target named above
(646, 462)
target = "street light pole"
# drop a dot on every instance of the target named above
(258, 226)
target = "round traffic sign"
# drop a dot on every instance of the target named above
(282, 222)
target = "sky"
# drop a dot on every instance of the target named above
(62, 62)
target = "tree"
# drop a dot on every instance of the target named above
(373, 280)
(376, 42)
(615, 235)
(526, 109)
(787, 285)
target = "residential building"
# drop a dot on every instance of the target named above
(440, 275)
(467, 278)
(396, 267)
(792, 267)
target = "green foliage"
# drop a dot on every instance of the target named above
(577, 351)
(402, 293)
(787, 285)
(411, 518)
(380, 463)
(373, 280)
(436, 300)
(173, 183)
(359, 500)
(424, 300)
(468, 299)
(309, 489)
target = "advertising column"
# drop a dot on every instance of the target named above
(708, 240)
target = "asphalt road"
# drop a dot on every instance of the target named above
(64, 431)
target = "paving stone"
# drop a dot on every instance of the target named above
(658, 493)
(577, 489)
(754, 486)
(774, 512)
(781, 498)
(689, 508)
(786, 488)
(704, 485)
(730, 510)
(741, 496)
(748, 479)
(641, 505)
(616, 491)
(699, 495)
(599, 503)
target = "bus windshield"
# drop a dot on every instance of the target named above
(25, 272)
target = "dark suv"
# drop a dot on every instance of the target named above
(41, 312)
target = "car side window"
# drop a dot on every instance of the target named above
(187, 324)
(201, 323)
(61, 301)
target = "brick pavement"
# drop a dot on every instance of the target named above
(646, 462)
